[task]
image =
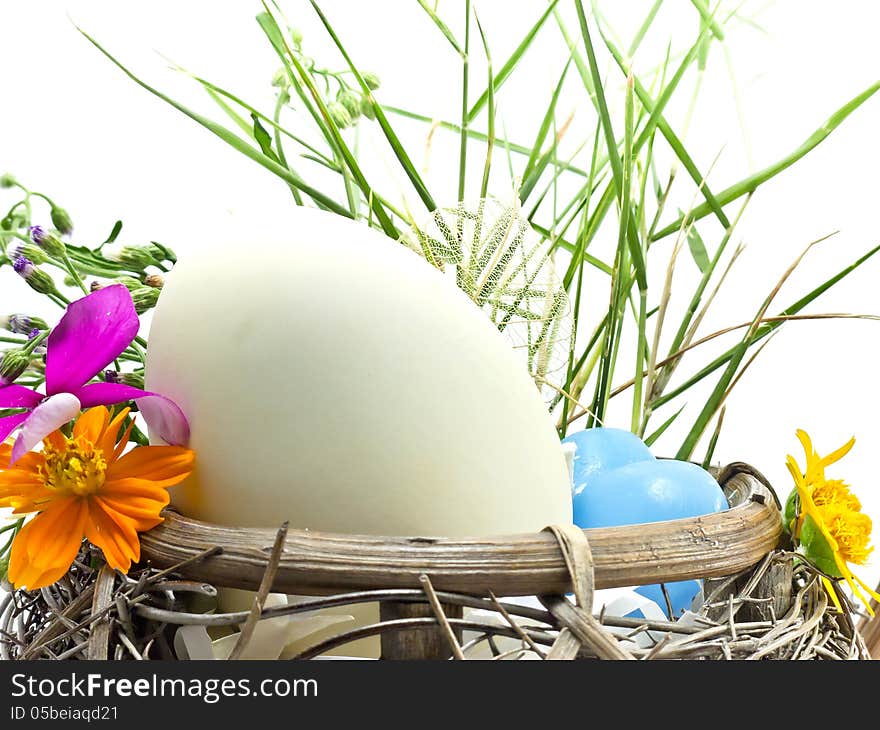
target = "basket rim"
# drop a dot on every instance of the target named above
(318, 563)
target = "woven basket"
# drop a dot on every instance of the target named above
(761, 600)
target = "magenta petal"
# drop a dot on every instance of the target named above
(165, 419)
(47, 417)
(17, 396)
(162, 414)
(9, 424)
(91, 335)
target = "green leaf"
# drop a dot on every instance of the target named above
(264, 139)
(697, 248)
(114, 234)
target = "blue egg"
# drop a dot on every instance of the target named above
(603, 449)
(647, 491)
(651, 491)
(681, 595)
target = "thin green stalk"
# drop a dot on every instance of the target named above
(490, 122)
(479, 136)
(282, 158)
(463, 138)
(641, 346)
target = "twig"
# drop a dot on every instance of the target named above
(441, 617)
(250, 624)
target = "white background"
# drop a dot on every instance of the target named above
(73, 126)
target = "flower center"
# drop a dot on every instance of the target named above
(79, 469)
(851, 530)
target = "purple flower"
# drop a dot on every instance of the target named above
(91, 334)
(23, 266)
(33, 334)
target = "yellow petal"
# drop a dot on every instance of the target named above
(839, 454)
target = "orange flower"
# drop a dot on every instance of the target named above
(83, 486)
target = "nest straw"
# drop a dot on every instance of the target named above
(137, 615)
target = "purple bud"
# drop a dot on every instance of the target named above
(33, 334)
(111, 376)
(38, 235)
(23, 266)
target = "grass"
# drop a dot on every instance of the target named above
(613, 186)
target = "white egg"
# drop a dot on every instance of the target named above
(335, 379)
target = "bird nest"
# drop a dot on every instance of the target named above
(438, 596)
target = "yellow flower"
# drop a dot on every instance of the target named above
(825, 518)
(83, 486)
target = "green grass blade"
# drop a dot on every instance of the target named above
(708, 18)
(520, 149)
(650, 440)
(671, 138)
(465, 77)
(230, 138)
(752, 182)
(529, 180)
(490, 123)
(390, 135)
(510, 64)
(444, 29)
(643, 28)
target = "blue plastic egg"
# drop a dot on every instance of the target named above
(602, 449)
(647, 491)
(651, 491)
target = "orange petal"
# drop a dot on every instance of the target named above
(29, 463)
(114, 534)
(108, 439)
(123, 442)
(166, 465)
(92, 424)
(46, 546)
(141, 511)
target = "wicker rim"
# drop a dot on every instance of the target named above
(315, 563)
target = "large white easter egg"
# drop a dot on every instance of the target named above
(335, 379)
